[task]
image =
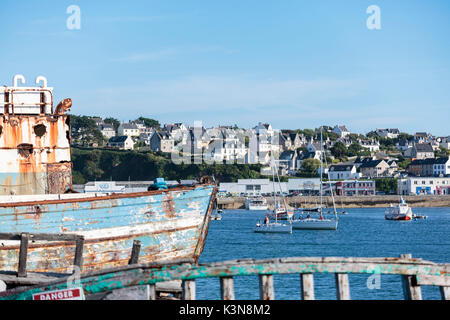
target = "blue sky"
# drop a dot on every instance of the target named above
(295, 64)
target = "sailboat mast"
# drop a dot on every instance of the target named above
(273, 184)
(320, 190)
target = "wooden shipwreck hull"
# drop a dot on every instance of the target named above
(170, 224)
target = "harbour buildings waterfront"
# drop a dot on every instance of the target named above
(304, 186)
(424, 186)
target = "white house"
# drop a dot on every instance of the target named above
(342, 172)
(441, 167)
(107, 130)
(121, 142)
(388, 133)
(128, 129)
(341, 130)
(263, 128)
(372, 144)
(445, 142)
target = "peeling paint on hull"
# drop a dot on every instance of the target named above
(170, 225)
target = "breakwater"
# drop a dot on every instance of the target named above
(345, 202)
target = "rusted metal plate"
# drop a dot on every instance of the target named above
(59, 177)
(33, 141)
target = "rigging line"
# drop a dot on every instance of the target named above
(329, 183)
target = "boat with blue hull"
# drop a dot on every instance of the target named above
(170, 225)
(35, 178)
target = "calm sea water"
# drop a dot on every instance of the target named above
(361, 233)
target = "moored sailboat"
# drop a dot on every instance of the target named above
(274, 226)
(319, 223)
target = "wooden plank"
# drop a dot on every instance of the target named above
(129, 293)
(22, 272)
(227, 288)
(78, 260)
(188, 287)
(307, 285)
(445, 293)
(152, 273)
(411, 289)
(443, 281)
(342, 286)
(152, 292)
(134, 259)
(39, 236)
(266, 289)
(11, 279)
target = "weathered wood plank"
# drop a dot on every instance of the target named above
(266, 289)
(152, 273)
(411, 289)
(188, 287)
(32, 278)
(40, 236)
(78, 259)
(342, 286)
(443, 281)
(134, 259)
(22, 272)
(152, 292)
(129, 293)
(307, 285)
(445, 293)
(227, 288)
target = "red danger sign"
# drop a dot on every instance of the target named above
(67, 294)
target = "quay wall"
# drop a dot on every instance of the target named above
(345, 202)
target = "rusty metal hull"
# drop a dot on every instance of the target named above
(171, 224)
(35, 154)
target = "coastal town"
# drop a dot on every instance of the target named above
(412, 164)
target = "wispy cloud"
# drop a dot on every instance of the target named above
(171, 52)
(147, 56)
(120, 19)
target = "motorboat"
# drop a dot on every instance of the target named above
(256, 203)
(399, 212)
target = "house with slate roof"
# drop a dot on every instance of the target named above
(121, 142)
(342, 172)
(422, 151)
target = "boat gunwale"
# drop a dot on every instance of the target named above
(103, 197)
(205, 228)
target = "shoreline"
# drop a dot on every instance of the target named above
(344, 202)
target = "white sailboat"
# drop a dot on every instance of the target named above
(270, 226)
(319, 223)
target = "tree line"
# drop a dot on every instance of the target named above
(116, 165)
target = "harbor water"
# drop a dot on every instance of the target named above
(362, 233)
